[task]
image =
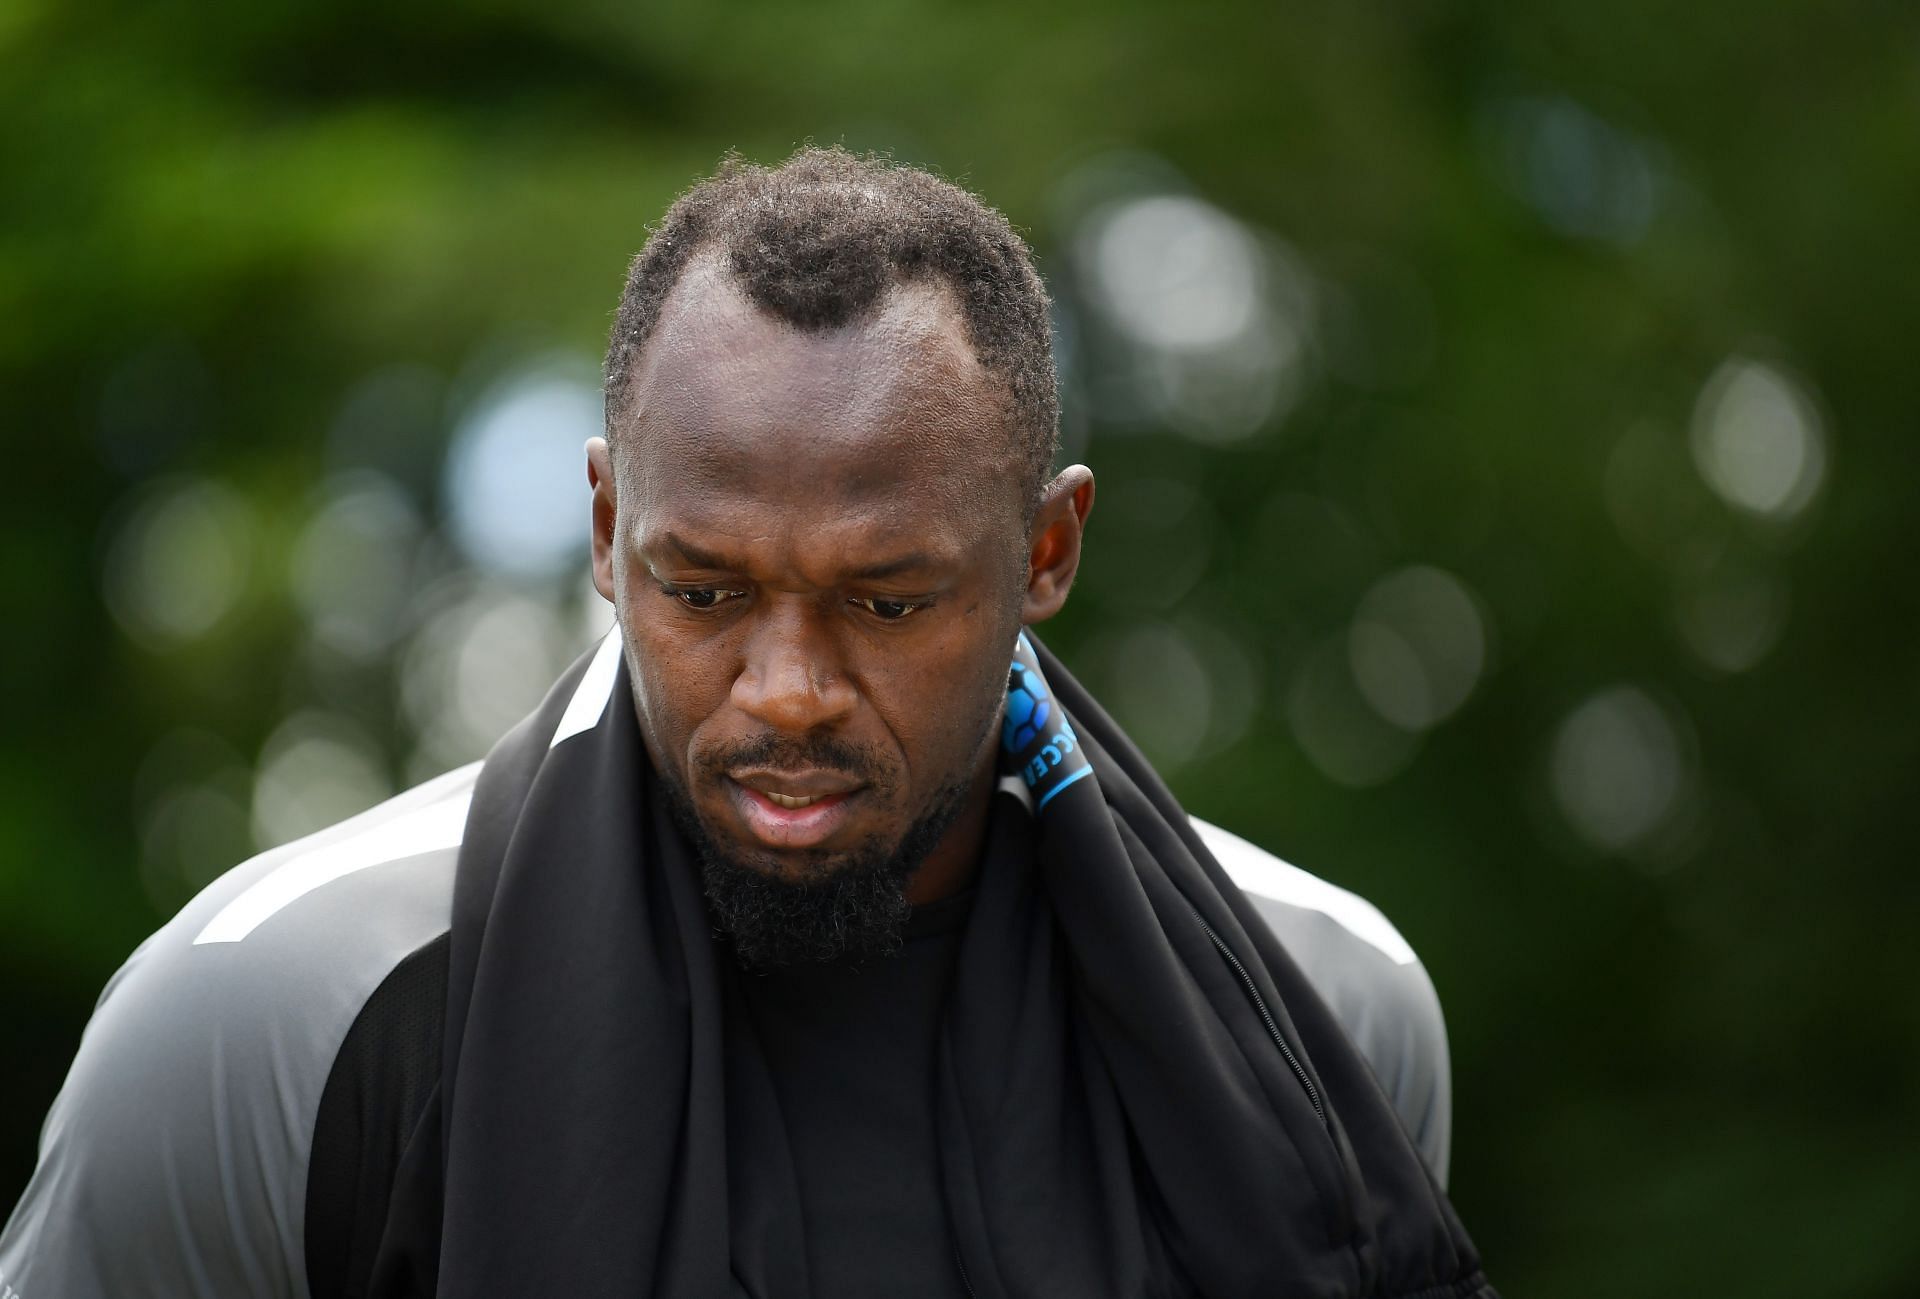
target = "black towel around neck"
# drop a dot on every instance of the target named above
(1137, 1093)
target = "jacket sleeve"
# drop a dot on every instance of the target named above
(174, 1162)
(1369, 977)
(162, 1161)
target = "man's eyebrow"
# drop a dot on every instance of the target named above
(913, 561)
(691, 553)
(892, 567)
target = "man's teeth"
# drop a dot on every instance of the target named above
(790, 803)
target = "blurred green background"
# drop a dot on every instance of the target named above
(1503, 418)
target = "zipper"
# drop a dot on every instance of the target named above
(965, 1280)
(1273, 1029)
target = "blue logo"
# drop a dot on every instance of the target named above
(1028, 708)
(1036, 734)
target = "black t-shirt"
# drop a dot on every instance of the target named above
(851, 1053)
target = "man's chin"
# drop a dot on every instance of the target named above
(815, 907)
(796, 870)
(812, 906)
(841, 913)
(806, 906)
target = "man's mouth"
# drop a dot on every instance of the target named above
(792, 809)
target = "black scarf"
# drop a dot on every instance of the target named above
(1138, 1093)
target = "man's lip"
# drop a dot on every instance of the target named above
(796, 784)
(778, 827)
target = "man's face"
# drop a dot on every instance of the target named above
(818, 557)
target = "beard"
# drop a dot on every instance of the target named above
(840, 908)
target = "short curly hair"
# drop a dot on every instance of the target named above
(818, 241)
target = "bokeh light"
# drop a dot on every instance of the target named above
(179, 563)
(316, 769)
(1620, 768)
(1731, 614)
(516, 486)
(352, 565)
(1582, 174)
(1417, 646)
(1160, 689)
(478, 664)
(1176, 273)
(1335, 725)
(1758, 440)
(1214, 316)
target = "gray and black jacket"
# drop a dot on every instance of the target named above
(233, 1120)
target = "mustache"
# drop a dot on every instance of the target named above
(792, 753)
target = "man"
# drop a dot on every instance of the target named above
(819, 935)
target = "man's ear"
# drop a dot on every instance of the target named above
(600, 478)
(1053, 543)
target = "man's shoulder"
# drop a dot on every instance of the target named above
(1368, 975)
(187, 1119)
(291, 896)
(301, 934)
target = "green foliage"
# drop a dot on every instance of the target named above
(1648, 836)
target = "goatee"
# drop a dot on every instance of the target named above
(847, 913)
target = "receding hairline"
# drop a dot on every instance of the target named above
(706, 272)
(992, 440)
(817, 240)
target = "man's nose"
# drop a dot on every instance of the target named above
(791, 678)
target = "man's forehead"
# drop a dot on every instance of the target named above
(828, 548)
(892, 395)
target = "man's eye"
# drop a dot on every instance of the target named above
(888, 610)
(704, 597)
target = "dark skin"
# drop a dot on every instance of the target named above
(817, 537)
